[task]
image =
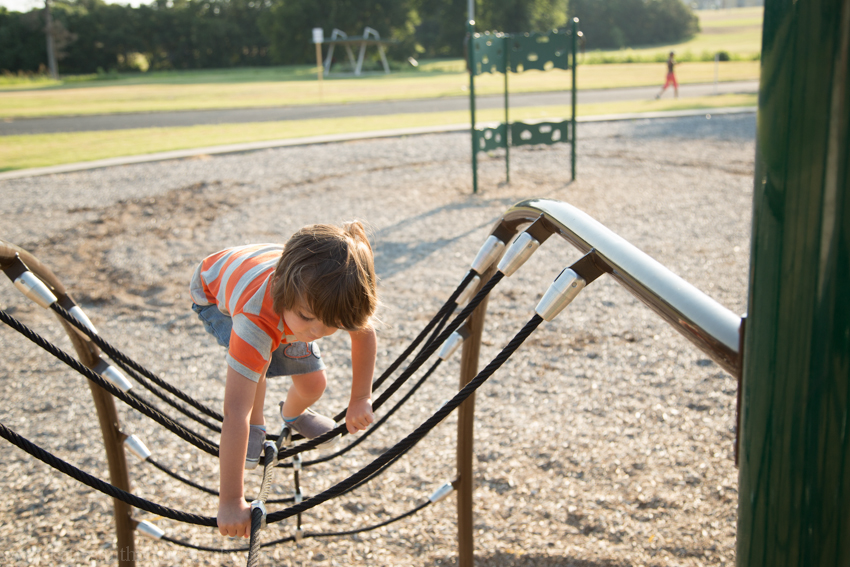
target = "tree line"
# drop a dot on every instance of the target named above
(90, 35)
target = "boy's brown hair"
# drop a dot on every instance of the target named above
(331, 270)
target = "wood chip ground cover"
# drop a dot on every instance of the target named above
(606, 440)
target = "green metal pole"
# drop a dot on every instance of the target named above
(470, 29)
(573, 125)
(507, 48)
(794, 478)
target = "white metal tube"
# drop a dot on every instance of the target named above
(35, 289)
(113, 375)
(519, 251)
(562, 291)
(137, 447)
(490, 251)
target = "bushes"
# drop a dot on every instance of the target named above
(615, 24)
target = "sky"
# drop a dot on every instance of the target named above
(27, 5)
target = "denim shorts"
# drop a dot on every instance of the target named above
(289, 359)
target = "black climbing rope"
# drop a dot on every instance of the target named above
(128, 398)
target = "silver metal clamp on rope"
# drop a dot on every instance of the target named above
(273, 445)
(80, 316)
(150, 530)
(261, 506)
(562, 291)
(135, 445)
(441, 492)
(453, 342)
(113, 375)
(490, 251)
(516, 255)
(35, 289)
(467, 293)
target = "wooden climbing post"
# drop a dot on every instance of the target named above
(465, 432)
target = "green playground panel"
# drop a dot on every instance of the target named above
(539, 133)
(487, 139)
(496, 52)
(522, 134)
(541, 51)
(488, 53)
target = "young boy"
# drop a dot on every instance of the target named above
(267, 303)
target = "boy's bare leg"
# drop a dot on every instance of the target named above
(306, 390)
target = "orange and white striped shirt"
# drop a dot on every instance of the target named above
(238, 282)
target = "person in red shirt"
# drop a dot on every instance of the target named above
(268, 304)
(671, 78)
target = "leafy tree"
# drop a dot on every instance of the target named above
(621, 23)
(22, 42)
(443, 22)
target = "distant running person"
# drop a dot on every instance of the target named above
(671, 78)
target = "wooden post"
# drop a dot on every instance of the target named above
(318, 39)
(103, 401)
(465, 432)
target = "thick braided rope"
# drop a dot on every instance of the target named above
(100, 485)
(417, 362)
(306, 535)
(354, 480)
(128, 398)
(254, 547)
(135, 368)
(420, 432)
(363, 436)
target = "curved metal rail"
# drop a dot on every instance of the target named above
(711, 327)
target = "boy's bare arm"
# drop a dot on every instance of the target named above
(364, 350)
(234, 514)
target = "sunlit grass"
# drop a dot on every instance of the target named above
(122, 98)
(20, 152)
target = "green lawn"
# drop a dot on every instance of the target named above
(20, 152)
(737, 31)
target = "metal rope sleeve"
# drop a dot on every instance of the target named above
(134, 367)
(130, 399)
(100, 485)
(420, 359)
(306, 535)
(419, 433)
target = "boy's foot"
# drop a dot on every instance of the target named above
(256, 439)
(309, 424)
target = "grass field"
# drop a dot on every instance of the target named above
(21, 152)
(737, 31)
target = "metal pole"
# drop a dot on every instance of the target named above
(574, 97)
(507, 47)
(465, 433)
(51, 46)
(794, 478)
(470, 29)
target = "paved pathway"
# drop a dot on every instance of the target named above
(242, 115)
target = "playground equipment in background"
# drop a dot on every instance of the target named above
(338, 37)
(495, 52)
(792, 357)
